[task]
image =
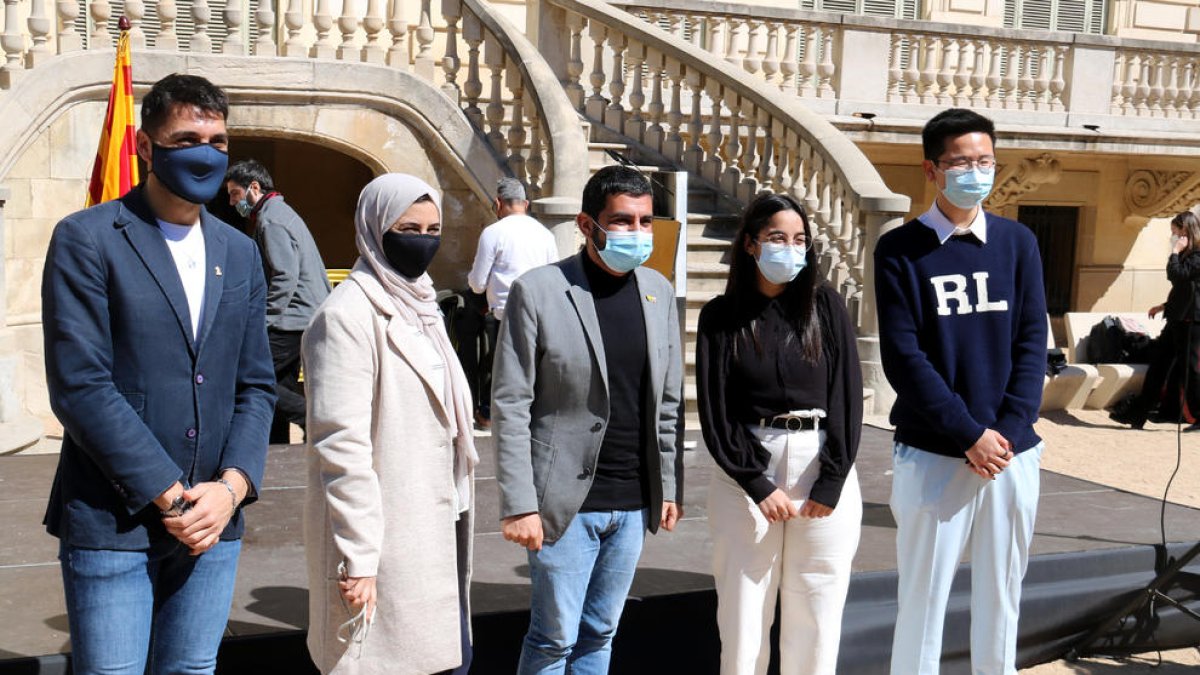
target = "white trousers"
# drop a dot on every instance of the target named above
(805, 561)
(941, 508)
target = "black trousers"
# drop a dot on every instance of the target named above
(1173, 378)
(289, 407)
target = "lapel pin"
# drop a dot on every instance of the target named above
(217, 270)
(651, 298)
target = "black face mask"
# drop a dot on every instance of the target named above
(410, 254)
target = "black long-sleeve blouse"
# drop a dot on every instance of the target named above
(735, 392)
(1183, 271)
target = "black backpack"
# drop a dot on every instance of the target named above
(1118, 340)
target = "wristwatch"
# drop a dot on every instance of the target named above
(178, 507)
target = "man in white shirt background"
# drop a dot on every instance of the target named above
(509, 247)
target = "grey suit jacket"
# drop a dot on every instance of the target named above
(550, 403)
(296, 280)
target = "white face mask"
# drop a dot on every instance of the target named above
(1174, 240)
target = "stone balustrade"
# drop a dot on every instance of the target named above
(476, 58)
(847, 64)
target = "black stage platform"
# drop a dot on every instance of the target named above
(1094, 547)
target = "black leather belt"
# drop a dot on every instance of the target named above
(791, 423)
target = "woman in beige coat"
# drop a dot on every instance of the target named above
(388, 519)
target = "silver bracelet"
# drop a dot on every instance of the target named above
(232, 493)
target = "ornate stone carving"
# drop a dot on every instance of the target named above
(1159, 194)
(1020, 179)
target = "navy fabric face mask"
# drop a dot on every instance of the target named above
(193, 173)
(410, 254)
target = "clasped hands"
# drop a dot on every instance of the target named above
(200, 527)
(990, 455)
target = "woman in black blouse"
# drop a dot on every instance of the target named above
(780, 398)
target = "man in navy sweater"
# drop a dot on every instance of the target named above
(962, 317)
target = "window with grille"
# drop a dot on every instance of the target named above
(1073, 16)
(1055, 228)
(897, 9)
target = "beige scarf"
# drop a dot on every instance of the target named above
(380, 205)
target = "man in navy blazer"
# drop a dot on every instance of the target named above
(159, 370)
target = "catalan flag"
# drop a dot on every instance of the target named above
(116, 169)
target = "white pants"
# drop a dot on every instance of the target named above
(941, 507)
(805, 561)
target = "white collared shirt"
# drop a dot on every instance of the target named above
(186, 244)
(937, 221)
(507, 249)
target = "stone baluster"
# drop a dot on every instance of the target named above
(752, 157)
(39, 33)
(234, 42)
(1142, 91)
(716, 36)
(752, 63)
(12, 41)
(1025, 80)
(805, 179)
(838, 237)
(517, 133)
(675, 24)
(1118, 100)
(323, 48)
(200, 41)
(68, 35)
(1133, 69)
(789, 64)
(1193, 102)
(1041, 86)
(962, 76)
(373, 24)
(945, 74)
(1170, 88)
(636, 124)
(535, 165)
(494, 57)
(734, 49)
(167, 39)
(929, 82)
(654, 133)
(347, 24)
(714, 166)
(779, 167)
(733, 147)
(264, 19)
(1156, 86)
(1184, 95)
(912, 72)
(293, 20)
(826, 70)
(808, 66)
(574, 86)
(895, 73)
(397, 56)
(693, 154)
(473, 87)
(452, 12)
(1058, 82)
(672, 145)
(614, 115)
(101, 12)
(424, 63)
(767, 162)
(770, 63)
(596, 103)
(135, 14)
(697, 23)
(993, 75)
(978, 73)
(1012, 97)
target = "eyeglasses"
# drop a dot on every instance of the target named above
(962, 163)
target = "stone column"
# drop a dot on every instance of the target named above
(558, 215)
(868, 332)
(17, 430)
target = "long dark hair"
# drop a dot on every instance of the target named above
(799, 298)
(1188, 222)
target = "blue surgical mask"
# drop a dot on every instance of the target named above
(967, 188)
(623, 251)
(243, 207)
(780, 263)
(193, 173)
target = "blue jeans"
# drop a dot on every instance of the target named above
(161, 605)
(579, 588)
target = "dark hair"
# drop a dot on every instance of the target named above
(953, 123)
(1188, 222)
(248, 171)
(612, 180)
(799, 298)
(177, 89)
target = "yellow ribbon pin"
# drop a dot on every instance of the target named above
(651, 298)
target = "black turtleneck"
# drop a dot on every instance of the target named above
(620, 481)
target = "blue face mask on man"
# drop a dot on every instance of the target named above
(780, 263)
(623, 252)
(967, 188)
(193, 173)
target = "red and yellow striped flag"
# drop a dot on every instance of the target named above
(116, 169)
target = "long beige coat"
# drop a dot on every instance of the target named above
(381, 494)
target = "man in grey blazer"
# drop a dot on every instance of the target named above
(586, 407)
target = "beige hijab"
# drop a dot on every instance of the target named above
(380, 204)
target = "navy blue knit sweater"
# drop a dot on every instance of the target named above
(962, 329)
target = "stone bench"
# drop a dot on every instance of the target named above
(1070, 388)
(1116, 380)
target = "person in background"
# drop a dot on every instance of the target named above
(588, 392)
(1172, 383)
(508, 248)
(780, 404)
(962, 332)
(296, 281)
(389, 517)
(158, 368)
